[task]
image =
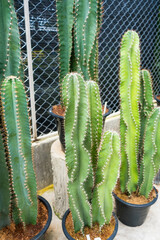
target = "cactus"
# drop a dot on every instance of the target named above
(78, 29)
(10, 53)
(129, 118)
(139, 155)
(19, 154)
(89, 169)
(150, 163)
(18, 201)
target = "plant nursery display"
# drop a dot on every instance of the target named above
(18, 191)
(78, 30)
(92, 163)
(139, 136)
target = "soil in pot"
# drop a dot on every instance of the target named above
(17, 232)
(158, 97)
(59, 110)
(105, 233)
(134, 198)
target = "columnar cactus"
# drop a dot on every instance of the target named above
(10, 53)
(129, 118)
(138, 121)
(90, 169)
(23, 192)
(18, 201)
(78, 29)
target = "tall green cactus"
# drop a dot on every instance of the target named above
(19, 154)
(89, 169)
(130, 120)
(10, 53)
(78, 29)
(138, 121)
(18, 201)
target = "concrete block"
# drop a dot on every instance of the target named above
(42, 161)
(60, 178)
(112, 122)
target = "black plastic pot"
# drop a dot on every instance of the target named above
(158, 101)
(132, 214)
(60, 125)
(41, 234)
(70, 238)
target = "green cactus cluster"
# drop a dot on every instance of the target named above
(78, 30)
(18, 191)
(92, 164)
(138, 121)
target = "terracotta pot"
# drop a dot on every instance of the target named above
(70, 238)
(132, 214)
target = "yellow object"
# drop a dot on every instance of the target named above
(50, 187)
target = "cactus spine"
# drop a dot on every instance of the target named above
(139, 154)
(78, 29)
(85, 163)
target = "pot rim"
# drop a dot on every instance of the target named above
(138, 205)
(70, 238)
(44, 229)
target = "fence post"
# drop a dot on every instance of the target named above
(30, 67)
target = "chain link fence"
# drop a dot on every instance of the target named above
(119, 16)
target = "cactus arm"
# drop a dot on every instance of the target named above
(124, 161)
(146, 104)
(14, 107)
(4, 188)
(129, 93)
(77, 156)
(151, 156)
(106, 178)
(85, 34)
(10, 54)
(65, 20)
(96, 121)
(93, 60)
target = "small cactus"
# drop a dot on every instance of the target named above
(90, 169)
(138, 121)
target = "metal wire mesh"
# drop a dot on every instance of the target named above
(119, 16)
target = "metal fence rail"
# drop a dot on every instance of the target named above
(119, 16)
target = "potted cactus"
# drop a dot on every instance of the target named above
(18, 191)
(78, 30)
(92, 164)
(139, 136)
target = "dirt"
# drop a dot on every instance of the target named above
(94, 232)
(59, 110)
(18, 232)
(134, 198)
